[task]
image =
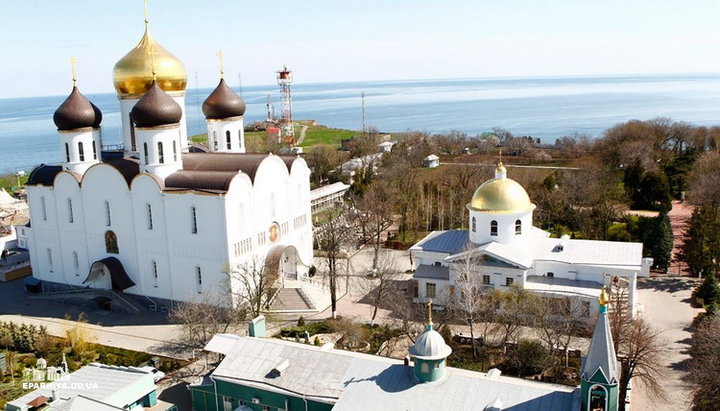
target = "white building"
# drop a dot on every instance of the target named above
(507, 249)
(154, 220)
(431, 161)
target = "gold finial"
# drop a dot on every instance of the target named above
(221, 57)
(72, 62)
(500, 157)
(147, 16)
(429, 308)
(603, 299)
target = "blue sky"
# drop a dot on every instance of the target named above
(324, 41)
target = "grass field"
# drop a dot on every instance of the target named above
(316, 135)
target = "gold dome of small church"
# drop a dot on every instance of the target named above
(501, 195)
(133, 74)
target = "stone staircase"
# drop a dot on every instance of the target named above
(292, 300)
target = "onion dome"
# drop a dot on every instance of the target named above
(501, 195)
(77, 112)
(222, 103)
(131, 74)
(430, 345)
(156, 108)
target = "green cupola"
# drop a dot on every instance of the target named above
(601, 370)
(430, 352)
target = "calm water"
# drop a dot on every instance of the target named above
(540, 107)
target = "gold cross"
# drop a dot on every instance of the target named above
(72, 62)
(147, 17)
(429, 308)
(221, 56)
(500, 154)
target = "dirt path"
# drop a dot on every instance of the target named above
(679, 219)
(302, 135)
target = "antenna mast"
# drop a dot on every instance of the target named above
(287, 130)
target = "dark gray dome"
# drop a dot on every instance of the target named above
(223, 103)
(156, 108)
(77, 112)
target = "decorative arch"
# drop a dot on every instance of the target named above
(111, 242)
(494, 228)
(518, 227)
(598, 397)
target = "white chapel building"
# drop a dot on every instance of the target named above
(153, 219)
(507, 249)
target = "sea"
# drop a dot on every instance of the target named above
(543, 107)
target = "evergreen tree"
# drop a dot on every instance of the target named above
(709, 291)
(701, 247)
(659, 241)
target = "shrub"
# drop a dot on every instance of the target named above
(528, 357)
(301, 321)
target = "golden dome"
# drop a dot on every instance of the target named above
(133, 75)
(501, 195)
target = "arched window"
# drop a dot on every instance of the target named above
(71, 217)
(67, 153)
(474, 225)
(50, 259)
(76, 263)
(518, 227)
(161, 154)
(193, 217)
(493, 227)
(111, 243)
(227, 139)
(174, 150)
(215, 145)
(598, 397)
(149, 216)
(145, 152)
(198, 278)
(240, 138)
(132, 132)
(81, 151)
(108, 217)
(94, 150)
(155, 274)
(43, 208)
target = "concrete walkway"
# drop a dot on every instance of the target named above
(667, 308)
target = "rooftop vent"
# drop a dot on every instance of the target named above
(280, 368)
(496, 405)
(494, 373)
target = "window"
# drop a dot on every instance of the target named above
(111, 243)
(486, 279)
(474, 225)
(149, 216)
(132, 131)
(161, 154)
(43, 208)
(94, 150)
(415, 287)
(518, 227)
(50, 259)
(550, 275)
(174, 150)
(437, 264)
(71, 218)
(424, 368)
(76, 264)
(155, 274)
(193, 217)
(81, 151)
(67, 152)
(430, 290)
(108, 217)
(493, 227)
(586, 308)
(240, 139)
(145, 152)
(228, 143)
(215, 143)
(198, 275)
(509, 281)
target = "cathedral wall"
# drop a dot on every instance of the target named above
(505, 227)
(72, 252)
(43, 232)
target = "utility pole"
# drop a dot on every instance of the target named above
(364, 128)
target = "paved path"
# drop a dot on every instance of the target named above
(667, 307)
(679, 218)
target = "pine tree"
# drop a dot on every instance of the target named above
(660, 243)
(709, 291)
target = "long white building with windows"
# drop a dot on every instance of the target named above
(502, 248)
(153, 219)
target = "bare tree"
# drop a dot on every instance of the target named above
(376, 206)
(202, 318)
(384, 284)
(472, 303)
(517, 307)
(558, 320)
(641, 351)
(251, 285)
(705, 364)
(333, 237)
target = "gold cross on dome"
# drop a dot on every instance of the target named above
(500, 155)
(429, 308)
(147, 16)
(72, 62)
(221, 57)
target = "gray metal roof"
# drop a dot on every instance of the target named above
(449, 241)
(111, 385)
(432, 271)
(359, 381)
(601, 355)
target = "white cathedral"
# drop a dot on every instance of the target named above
(157, 218)
(505, 249)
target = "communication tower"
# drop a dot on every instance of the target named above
(287, 131)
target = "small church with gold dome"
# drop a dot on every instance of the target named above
(155, 219)
(506, 250)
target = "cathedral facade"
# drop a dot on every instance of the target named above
(156, 218)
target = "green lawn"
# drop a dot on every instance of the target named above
(9, 182)
(316, 135)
